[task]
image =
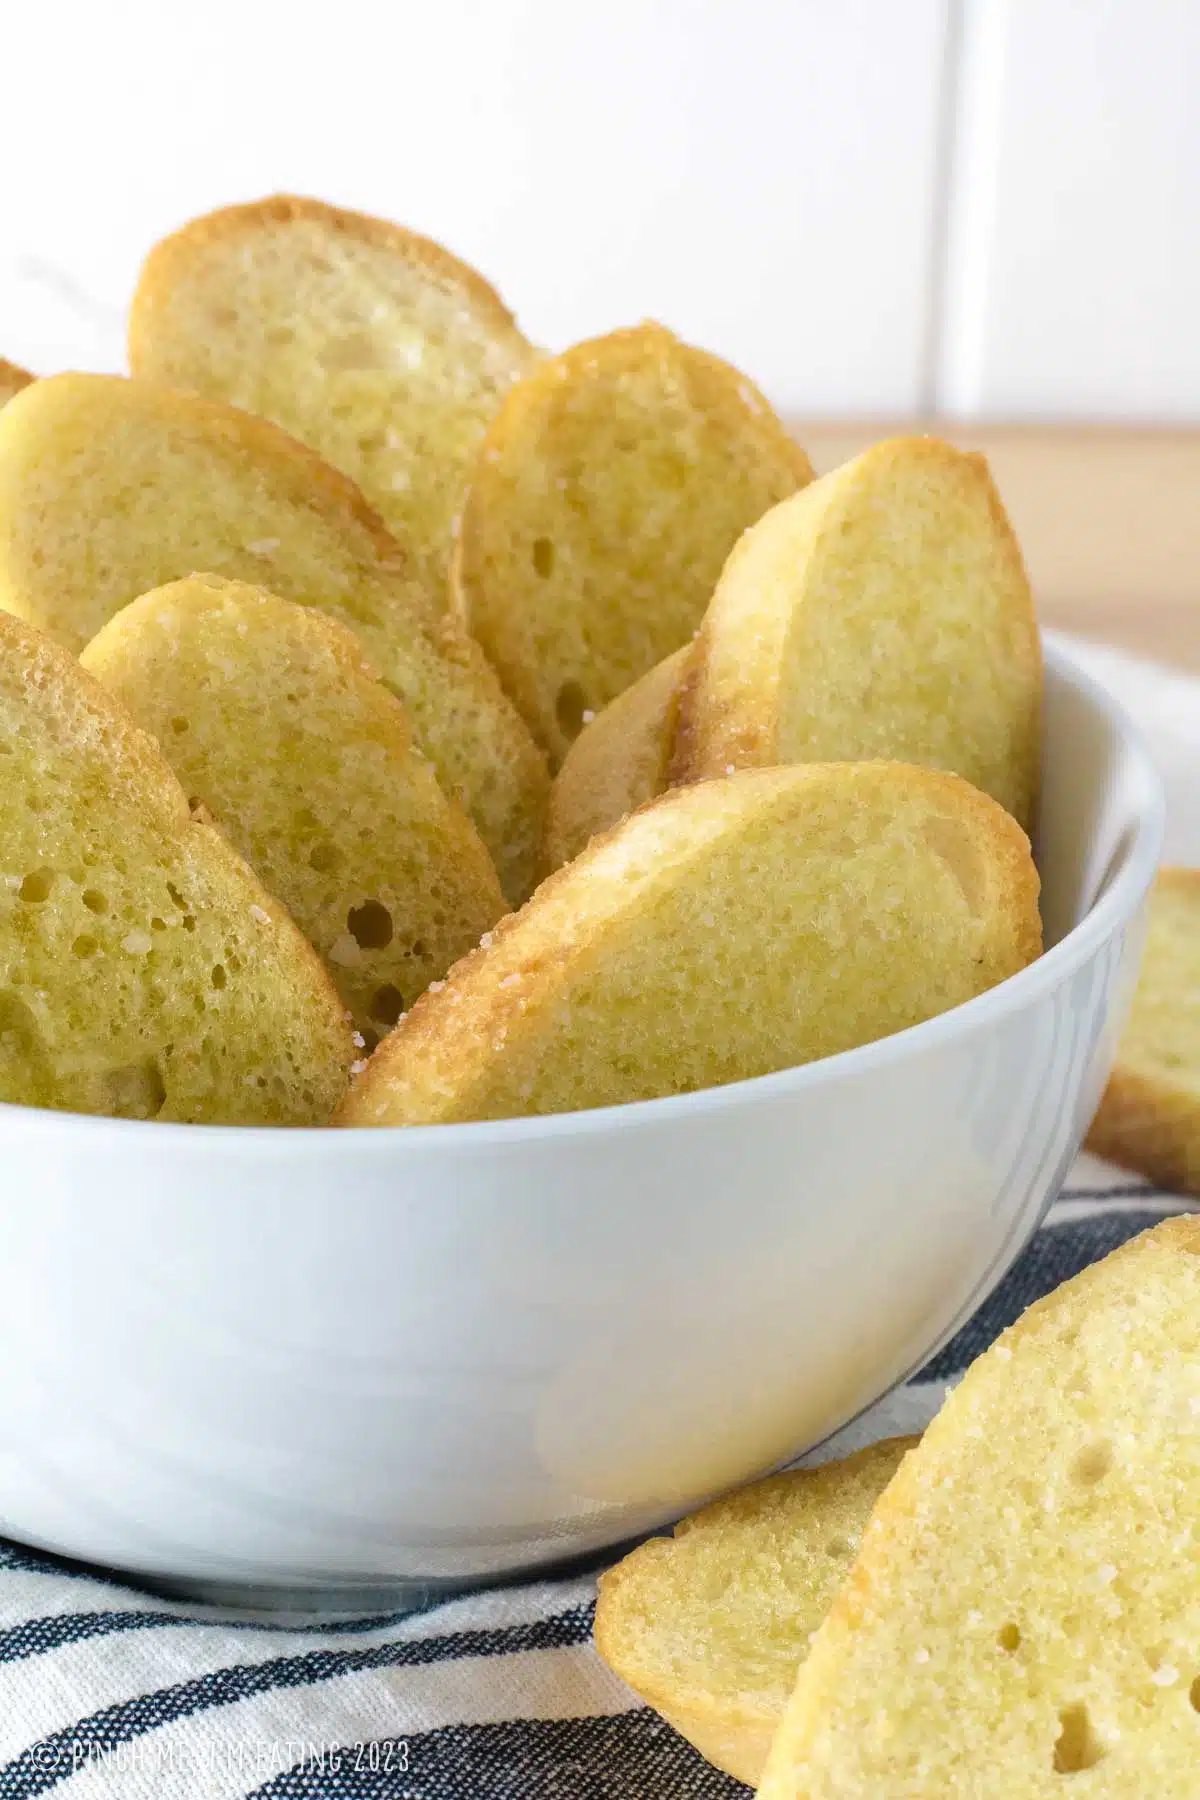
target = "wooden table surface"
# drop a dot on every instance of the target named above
(1109, 521)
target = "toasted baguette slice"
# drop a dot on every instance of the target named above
(144, 972)
(271, 716)
(612, 486)
(620, 760)
(111, 487)
(1149, 1118)
(709, 1626)
(372, 345)
(725, 930)
(886, 612)
(1024, 1606)
(12, 380)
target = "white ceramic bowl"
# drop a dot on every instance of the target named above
(250, 1360)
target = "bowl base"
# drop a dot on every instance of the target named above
(332, 1604)
(353, 1600)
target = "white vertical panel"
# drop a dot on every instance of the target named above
(1073, 253)
(759, 175)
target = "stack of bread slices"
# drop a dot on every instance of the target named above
(499, 732)
(1007, 1607)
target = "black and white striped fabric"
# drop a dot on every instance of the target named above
(109, 1692)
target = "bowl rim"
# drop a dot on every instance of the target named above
(1114, 907)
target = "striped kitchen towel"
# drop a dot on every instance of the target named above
(110, 1693)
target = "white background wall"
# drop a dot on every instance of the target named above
(874, 206)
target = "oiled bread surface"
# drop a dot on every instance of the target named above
(1022, 1618)
(144, 971)
(710, 1625)
(726, 930)
(371, 344)
(109, 488)
(271, 715)
(1149, 1118)
(621, 759)
(882, 612)
(611, 486)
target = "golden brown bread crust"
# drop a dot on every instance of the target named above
(829, 1710)
(463, 721)
(618, 762)
(1145, 1121)
(746, 674)
(139, 830)
(231, 222)
(655, 1634)
(316, 483)
(1145, 1127)
(612, 605)
(216, 669)
(12, 379)
(470, 1040)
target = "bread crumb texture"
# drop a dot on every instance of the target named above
(882, 612)
(144, 972)
(611, 487)
(110, 487)
(1149, 1118)
(620, 760)
(374, 346)
(270, 714)
(726, 930)
(710, 1625)
(1022, 1618)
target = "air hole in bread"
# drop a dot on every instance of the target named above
(569, 708)
(387, 1004)
(219, 977)
(37, 885)
(179, 726)
(94, 900)
(1077, 1746)
(1194, 1694)
(1092, 1463)
(19, 1034)
(84, 946)
(134, 1092)
(1009, 1637)
(543, 556)
(839, 1546)
(951, 840)
(370, 925)
(324, 858)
